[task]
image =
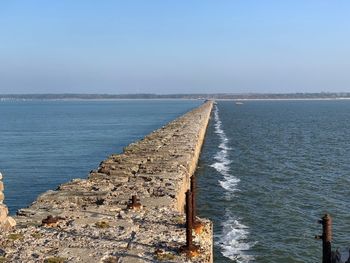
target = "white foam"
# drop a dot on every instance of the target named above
(233, 241)
(223, 146)
(230, 184)
(222, 165)
(234, 234)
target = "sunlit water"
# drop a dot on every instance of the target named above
(46, 143)
(268, 172)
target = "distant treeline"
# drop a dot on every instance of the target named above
(322, 95)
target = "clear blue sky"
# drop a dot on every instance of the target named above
(235, 46)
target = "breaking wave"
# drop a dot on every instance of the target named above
(233, 240)
(222, 164)
(234, 234)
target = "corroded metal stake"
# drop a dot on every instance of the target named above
(193, 190)
(326, 238)
(133, 200)
(189, 220)
(197, 225)
(190, 249)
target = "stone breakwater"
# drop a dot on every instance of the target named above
(92, 220)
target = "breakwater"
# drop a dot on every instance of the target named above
(93, 220)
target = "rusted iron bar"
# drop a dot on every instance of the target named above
(189, 222)
(326, 237)
(193, 190)
(198, 226)
(133, 200)
(190, 249)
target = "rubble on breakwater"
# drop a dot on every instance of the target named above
(94, 219)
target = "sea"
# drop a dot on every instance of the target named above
(268, 171)
(47, 143)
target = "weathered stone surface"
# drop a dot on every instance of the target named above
(3, 213)
(8, 223)
(97, 223)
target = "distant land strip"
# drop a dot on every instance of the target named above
(217, 96)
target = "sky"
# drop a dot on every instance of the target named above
(182, 46)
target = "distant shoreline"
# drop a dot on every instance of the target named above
(165, 99)
(77, 99)
(218, 96)
(287, 99)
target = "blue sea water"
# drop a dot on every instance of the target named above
(46, 143)
(268, 171)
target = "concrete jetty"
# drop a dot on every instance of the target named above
(130, 209)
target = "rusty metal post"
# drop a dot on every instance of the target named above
(193, 190)
(133, 200)
(326, 237)
(189, 217)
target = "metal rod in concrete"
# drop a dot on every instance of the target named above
(133, 200)
(193, 190)
(189, 222)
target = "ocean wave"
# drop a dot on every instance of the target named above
(230, 184)
(223, 146)
(233, 241)
(221, 156)
(234, 234)
(221, 168)
(222, 165)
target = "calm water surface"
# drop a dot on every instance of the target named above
(45, 143)
(269, 171)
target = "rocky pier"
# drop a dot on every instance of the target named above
(130, 209)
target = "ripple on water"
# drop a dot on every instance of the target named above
(272, 170)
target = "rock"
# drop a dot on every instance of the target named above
(2, 197)
(1, 176)
(35, 255)
(51, 221)
(3, 213)
(9, 223)
(1, 186)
